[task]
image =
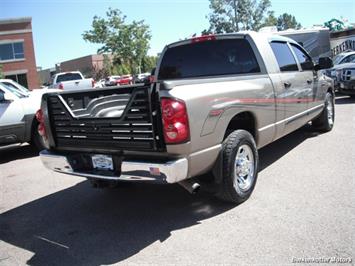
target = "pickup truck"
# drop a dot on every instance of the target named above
(214, 102)
(345, 78)
(71, 81)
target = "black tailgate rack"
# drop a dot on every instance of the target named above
(104, 119)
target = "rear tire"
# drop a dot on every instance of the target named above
(325, 121)
(240, 167)
(36, 139)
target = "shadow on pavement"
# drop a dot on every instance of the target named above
(85, 226)
(345, 100)
(274, 151)
(18, 152)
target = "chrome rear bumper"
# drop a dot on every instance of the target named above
(169, 172)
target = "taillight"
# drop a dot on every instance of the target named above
(61, 86)
(92, 83)
(41, 127)
(175, 121)
(39, 116)
(151, 78)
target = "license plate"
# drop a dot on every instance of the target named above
(102, 162)
(342, 85)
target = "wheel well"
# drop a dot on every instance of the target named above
(330, 90)
(244, 120)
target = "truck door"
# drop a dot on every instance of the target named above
(309, 77)
(291, 97)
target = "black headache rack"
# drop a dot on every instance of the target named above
(106, 120)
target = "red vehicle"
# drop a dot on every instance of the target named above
(125, 80)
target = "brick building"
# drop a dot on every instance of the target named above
(17, 55)
(87, 65)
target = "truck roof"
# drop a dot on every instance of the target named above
(243, 34)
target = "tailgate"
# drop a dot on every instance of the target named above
(105, 120)
(80, 84)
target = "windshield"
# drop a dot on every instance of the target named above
(18, 87)
(15, 91)
(338, 58)
(209, 58)
(68, 77)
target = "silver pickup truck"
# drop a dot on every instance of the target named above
(215, 101)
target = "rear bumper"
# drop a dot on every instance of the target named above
(169, 172)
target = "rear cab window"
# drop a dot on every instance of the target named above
(68, 77)
(208, 58)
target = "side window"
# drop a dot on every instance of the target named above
(284, 56)
(304, 59)
(2, 96)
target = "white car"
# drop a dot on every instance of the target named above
(14, 85)
(18, 123)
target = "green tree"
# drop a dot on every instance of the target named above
(107, 66)
(287, 21)
(334, 25)
(148, 63)
(127, 42)
(270, 20)
(235, 15)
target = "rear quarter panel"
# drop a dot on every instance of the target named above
(212, 103)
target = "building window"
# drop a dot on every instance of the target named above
(11, 51)
(19, 78)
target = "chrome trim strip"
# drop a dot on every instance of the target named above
(291, 118)
(216, 147)
(169, 172)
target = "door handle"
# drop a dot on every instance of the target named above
(309, 81)
(287, 85)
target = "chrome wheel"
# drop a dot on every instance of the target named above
(330, 110)
(244, 168)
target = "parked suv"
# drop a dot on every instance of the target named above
(342, 63)
(215, 101)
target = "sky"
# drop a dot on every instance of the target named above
(57, 25)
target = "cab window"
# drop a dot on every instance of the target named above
(303, 58)
(284, 56)
(209, 58)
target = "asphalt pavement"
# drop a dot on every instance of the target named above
(302, 210)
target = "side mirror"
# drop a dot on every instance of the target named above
(6, 97)
(324, 63)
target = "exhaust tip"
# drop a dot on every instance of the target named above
(193, 188)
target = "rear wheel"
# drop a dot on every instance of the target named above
(36, 139)
(325, 121)
(240, 167)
